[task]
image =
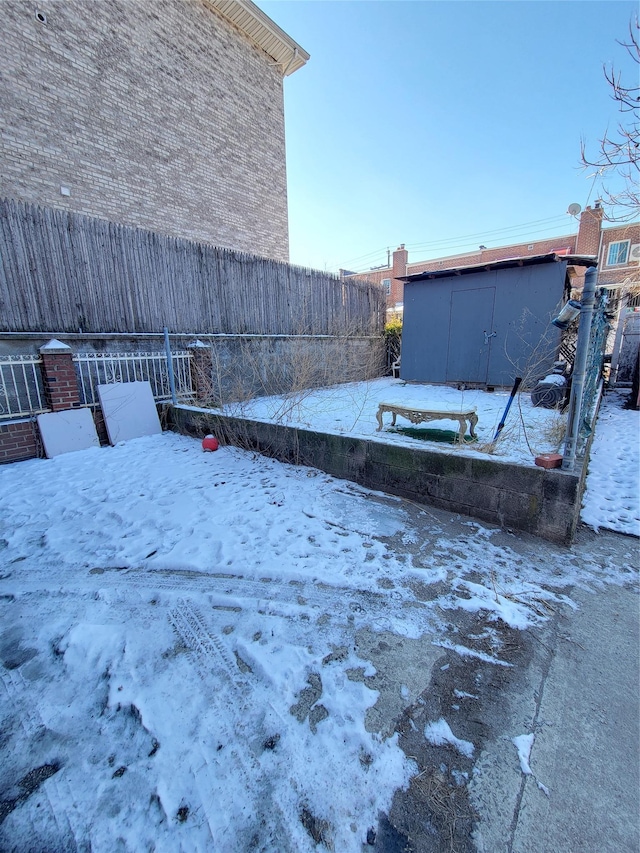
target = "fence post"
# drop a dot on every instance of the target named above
(172, 380)
(201, 370)
(579, 369)
(59, 375)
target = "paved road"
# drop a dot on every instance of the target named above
(583, 691)
(574, 684)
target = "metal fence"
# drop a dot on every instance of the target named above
(594, 369)
(105, 368)
(618, 297)
(21, 386)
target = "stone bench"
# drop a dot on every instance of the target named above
(419, 415)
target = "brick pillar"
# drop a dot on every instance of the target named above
(400, 259)
(588, 240)
(201, 372)
(59, 374)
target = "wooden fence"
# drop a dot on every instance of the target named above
(66, 272)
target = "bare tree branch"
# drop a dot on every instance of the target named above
(618, 153)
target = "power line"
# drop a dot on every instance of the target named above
(461, 246)
(444, 243)
(483, 234)
(522, 235)
(375, 253)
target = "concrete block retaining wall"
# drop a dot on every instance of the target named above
(545, 503)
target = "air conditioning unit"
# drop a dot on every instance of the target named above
(634, 252)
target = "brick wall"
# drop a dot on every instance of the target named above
(629, 273)
(379, 275)
(565, 244)
(19, 440)
(156, 114)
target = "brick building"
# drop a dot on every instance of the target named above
(617, 248)
(165, 115)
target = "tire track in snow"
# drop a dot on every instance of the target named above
(261, 595)
(65, 818)
(211, 653)
(16, 689)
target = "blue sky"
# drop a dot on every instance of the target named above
(442, 125)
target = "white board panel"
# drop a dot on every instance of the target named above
(129, 410)
(64, 432)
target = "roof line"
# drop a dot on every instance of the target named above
(504, 263)
(555, 240)
(263, 32)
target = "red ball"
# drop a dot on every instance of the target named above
(210, 443)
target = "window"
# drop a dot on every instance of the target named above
(386, 284)
(618, 253)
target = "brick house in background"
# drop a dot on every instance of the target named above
(164, 115)
(617, 248)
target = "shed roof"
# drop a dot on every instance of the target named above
(263, 32)
(530, 260)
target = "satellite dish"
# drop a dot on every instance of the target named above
(574, 209)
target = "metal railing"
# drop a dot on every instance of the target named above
(21, 386)
(619, 297)
(105, 368)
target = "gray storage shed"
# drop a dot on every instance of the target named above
(483, 325)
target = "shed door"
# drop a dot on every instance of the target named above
(471, 317)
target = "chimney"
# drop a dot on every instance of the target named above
(400, 260)
(588, 240)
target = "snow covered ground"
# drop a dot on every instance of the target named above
(180, 670)
(612, 495)
(351, 409)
